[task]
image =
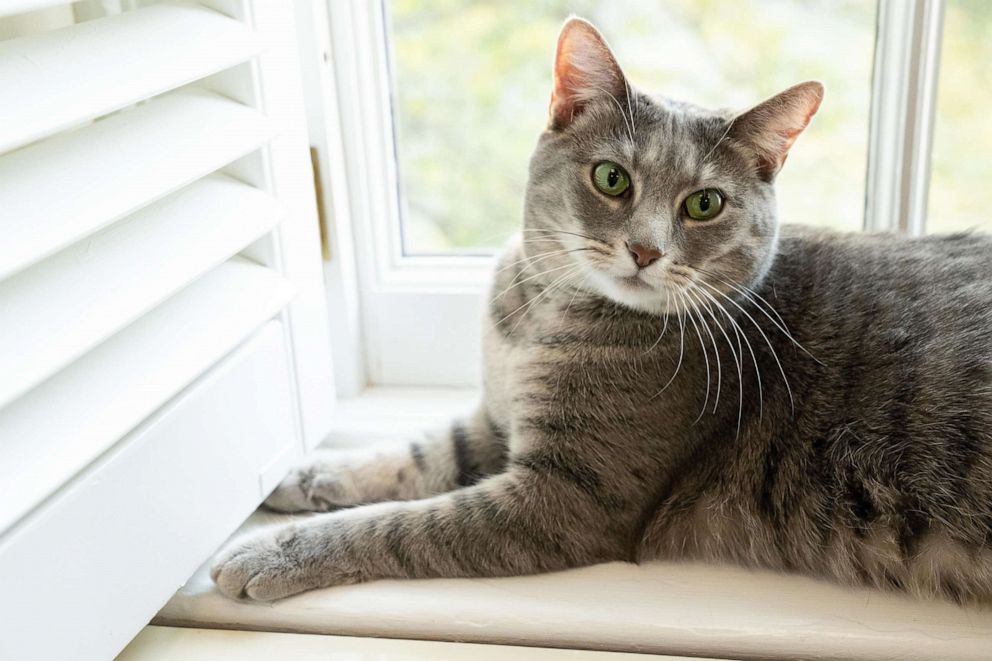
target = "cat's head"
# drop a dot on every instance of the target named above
(632, 197)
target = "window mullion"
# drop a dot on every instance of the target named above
(923, 106)
(904, 89)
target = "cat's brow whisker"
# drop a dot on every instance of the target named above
(723, 137)
(630, 105)
(623, 115)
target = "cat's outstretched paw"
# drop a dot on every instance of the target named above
(265, 566)
(323, 484)
(334, 479)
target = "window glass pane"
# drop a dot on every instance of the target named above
(472, 82)
(961, 169)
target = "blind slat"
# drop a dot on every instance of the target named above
(57, 191)
(79, 297)
(58, 428)
(59, 79)
(12, 7)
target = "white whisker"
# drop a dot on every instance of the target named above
(558, 231)
(718, 142)
(738, 359)
(630, 127)
(630, 106)
(668, 297)
(746, 292)
(716, 349)
(514, 285)
(739, 333)
(781, 370)
(529, 305)
(691, 310)
(540, 257)
(681, 353)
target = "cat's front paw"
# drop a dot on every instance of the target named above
(323, 484)
(265, 566)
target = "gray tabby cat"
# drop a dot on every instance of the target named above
(670, 374)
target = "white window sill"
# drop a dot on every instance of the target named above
(171, 643)
(663, 608)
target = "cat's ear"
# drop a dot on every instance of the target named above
(770, 128)
(584, 69)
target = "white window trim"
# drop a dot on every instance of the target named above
(420, 315)
(903, 113)
(417, 317)
(363, 48)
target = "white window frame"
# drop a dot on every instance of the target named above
(903, 113)
(419, 315)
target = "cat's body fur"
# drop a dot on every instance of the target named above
(837, 421)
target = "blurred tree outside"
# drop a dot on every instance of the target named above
(471, 81)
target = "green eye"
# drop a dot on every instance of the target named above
(610, 178)
(703, 204)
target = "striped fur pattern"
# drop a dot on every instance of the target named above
(769, 396)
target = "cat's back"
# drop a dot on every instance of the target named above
(859, 265)
(901, 329)
(850, 293)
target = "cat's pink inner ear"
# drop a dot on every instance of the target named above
(584, 69)
(770, 128)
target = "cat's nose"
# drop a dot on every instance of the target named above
(643, 255)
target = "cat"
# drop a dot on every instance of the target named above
(669, 374)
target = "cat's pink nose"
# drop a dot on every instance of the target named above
(644, 255)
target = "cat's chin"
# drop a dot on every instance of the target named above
(632, 292)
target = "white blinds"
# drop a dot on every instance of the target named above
(134, 168)
(112, 167)
(53, 430)
(57, 79)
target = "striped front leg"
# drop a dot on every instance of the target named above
(519, 522)
(468, 451)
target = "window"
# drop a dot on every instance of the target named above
(962, 155)
(471, 81)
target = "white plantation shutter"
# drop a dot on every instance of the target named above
(163, 335)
